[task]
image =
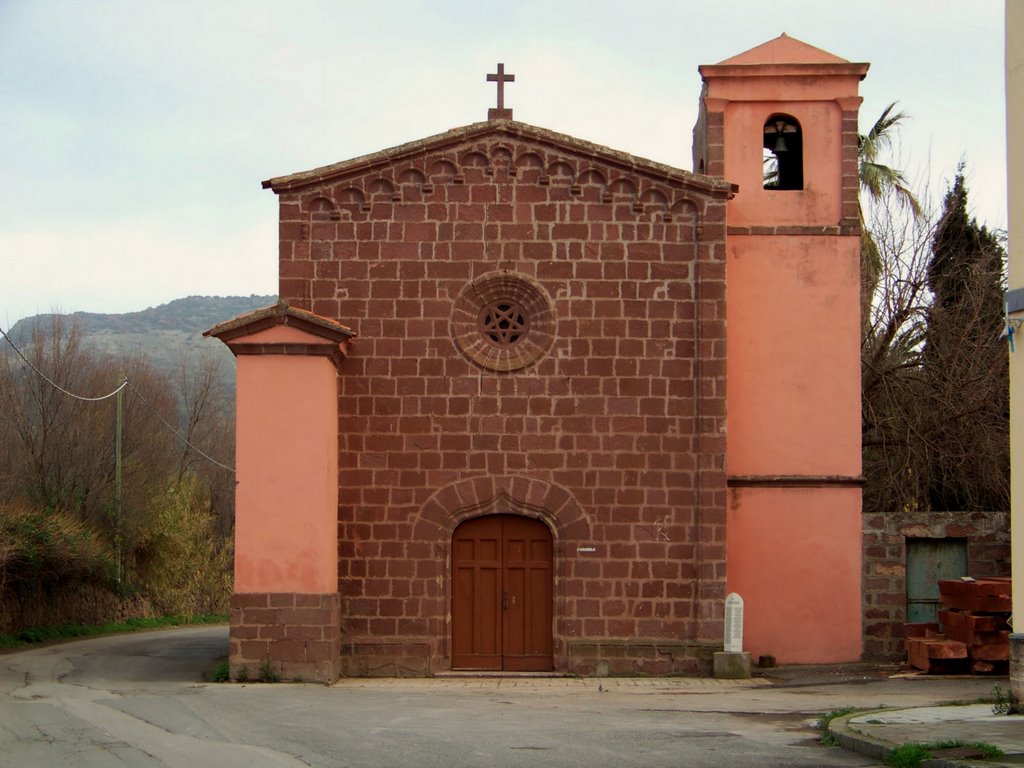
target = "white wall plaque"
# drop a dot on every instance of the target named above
(733, 623)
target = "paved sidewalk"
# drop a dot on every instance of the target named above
(872, 733)
(875, 733)
(136, 700)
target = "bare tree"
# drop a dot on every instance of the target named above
(935, 390)
(207, 421)
(61, 516)
(50, 459)
(891, 354)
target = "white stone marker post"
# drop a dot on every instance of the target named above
(733, 663)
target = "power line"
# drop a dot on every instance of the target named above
(54, 384)
(124, 383)
(176, 432)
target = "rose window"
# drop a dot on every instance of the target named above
(503, 321)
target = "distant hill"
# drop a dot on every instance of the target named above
(159, 332)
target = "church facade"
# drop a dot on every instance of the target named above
(533, 404)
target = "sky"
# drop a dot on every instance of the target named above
(134, 135)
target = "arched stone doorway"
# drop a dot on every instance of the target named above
(502, 594)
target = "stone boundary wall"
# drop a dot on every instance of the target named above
(885, 565)
(71, 603)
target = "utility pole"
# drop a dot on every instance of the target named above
(117, 477)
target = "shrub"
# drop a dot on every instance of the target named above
(183, 565)
(908, 756)
(912, 755)
(1005, 703)
(44, 546)
(267, 672)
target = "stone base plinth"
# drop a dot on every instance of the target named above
(732, 665)
(285, 636)
(637, 657)
(386, 659)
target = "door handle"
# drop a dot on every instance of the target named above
(504, 600)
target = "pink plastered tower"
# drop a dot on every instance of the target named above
(780, 121)
(284, 609)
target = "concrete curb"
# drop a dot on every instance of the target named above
(855, 741)
(877, 749)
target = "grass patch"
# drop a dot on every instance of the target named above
(1004, 703)
(827, 738)
(222, 674)
(828, 717)
(35, 635)
(912, 755)
(267, 673)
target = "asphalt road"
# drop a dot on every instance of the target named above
(139, 700)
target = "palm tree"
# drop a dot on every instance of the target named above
(876, 182)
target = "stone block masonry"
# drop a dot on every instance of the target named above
(295, 634)
(608, 425)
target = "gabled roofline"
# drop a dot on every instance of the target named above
(784, 56)
(281, 314)
(782, 49)
(512, 129)
(859, 71)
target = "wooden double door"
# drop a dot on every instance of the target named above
(502, 594)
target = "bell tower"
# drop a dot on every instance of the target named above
(780, 121)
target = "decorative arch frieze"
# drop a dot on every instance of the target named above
(383, 189)
(654, 196)
(530, 165)
(686, 207)
(494, 494)
(412, 176)
(622, 188)
(501, 157)
(352, 200)
(475, 161)
(592, 184)
(530, 160)
(321, 208)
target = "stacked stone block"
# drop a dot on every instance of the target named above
(885, 565)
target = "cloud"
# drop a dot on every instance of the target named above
(130, 265)
(136, 134)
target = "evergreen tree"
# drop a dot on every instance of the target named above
(965, 365)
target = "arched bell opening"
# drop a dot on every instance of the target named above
(783, 153)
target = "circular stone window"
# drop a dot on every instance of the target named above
(503, 321)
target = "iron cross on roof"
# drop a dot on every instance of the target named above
(500, 78)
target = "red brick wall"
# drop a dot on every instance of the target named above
(614, 437)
